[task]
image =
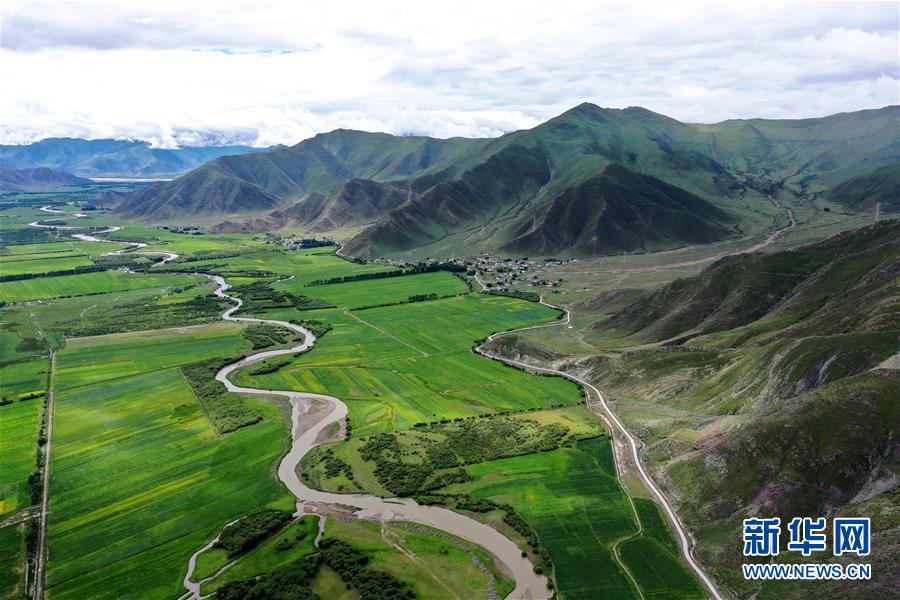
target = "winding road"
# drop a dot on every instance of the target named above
(597, 404)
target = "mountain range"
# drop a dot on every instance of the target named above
(36, 180)
(112, 158)
(591, 181)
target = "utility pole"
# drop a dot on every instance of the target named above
(877, 210)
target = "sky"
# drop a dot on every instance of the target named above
(263, 73)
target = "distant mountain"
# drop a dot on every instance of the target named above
(863, 192)
(112, 158)
(591, 181)
(36, 180)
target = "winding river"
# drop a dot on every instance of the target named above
(528, 583)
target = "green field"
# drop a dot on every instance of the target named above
(85, 283)
(92, 359)
(11, 575)
(387, 290)
(41, 263)
(140, 480)
(399, 365)
(18, 440)
(572, 498)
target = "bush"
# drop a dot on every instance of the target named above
(247, 533)
(226, 411)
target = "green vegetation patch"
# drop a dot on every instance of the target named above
(283, 547)
(295, 580)
(263, 335)
(574, 502)
(260, 295)
(380, 291)
(247, 533)
(90, 359)
(87, 283)
(18, 442)
(226, 411)
(429, 457)
(141, 480)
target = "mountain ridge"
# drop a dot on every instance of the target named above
(469, 195)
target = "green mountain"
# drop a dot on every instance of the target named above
(36, 180)
(613, 180)
(863, 192)
(112, 158)
(767, 393)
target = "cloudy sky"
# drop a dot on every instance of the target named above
(195, 73)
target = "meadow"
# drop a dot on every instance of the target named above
(86, 283)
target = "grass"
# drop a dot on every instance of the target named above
(92, 359)
(18, 426)
(434, 567)
(86, 283)
(140, 480)
(354, 294)
(265, 558)
(579, 510)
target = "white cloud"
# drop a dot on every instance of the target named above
(203, 72)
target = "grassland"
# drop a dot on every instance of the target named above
(86, 283)
(389, 290)
(18, 440)
(103, 357)
(140, 479)
(434, 566)
(572, 498)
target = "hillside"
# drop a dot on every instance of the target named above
(112, 158)
(863, 192)
(36, 180)
(672, 184)
(761, 375)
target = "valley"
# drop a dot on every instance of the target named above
(549, 396)
(133, 448)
